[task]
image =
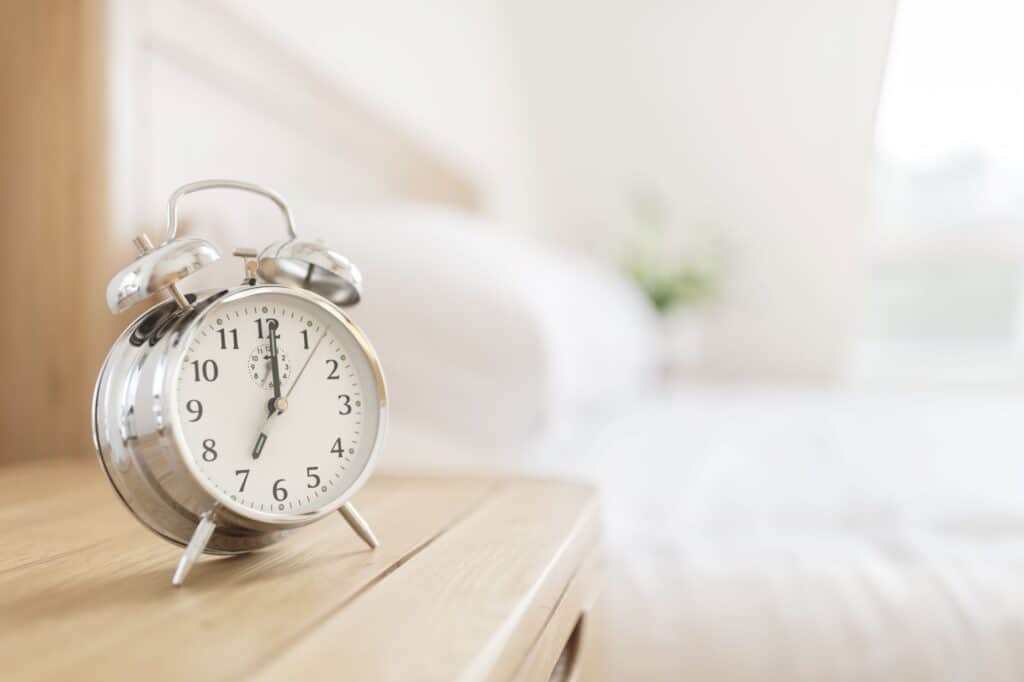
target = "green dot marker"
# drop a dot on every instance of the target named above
(264, 308)
(220, 321)
(234, 498)
(359, 403)
(186, 359)
(309, 323)
(343, 358)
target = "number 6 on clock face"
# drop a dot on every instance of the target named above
(278, 403)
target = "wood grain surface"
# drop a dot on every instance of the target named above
(477, 578)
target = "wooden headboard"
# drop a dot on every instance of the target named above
(110, 106)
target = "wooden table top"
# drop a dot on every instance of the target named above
(469, 577)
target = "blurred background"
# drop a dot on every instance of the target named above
(754, 269)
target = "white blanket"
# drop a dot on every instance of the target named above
(809, 535)
(752, 534)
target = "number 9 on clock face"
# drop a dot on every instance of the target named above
(279, 404)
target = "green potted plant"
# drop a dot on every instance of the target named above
(681, 269)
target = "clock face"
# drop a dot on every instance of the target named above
(278, 403)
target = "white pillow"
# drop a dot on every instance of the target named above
(486, 338)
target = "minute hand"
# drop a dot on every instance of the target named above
(274, 366)
(279, 405)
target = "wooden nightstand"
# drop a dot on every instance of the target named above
(477, 578)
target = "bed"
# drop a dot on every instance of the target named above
(753, 533)
(802, 534)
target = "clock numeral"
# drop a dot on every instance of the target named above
(311, 474)
(195, 408)
(267, 324)
(336, 448)
(280, 494)
(346, 405)
(224, 334)
(206, 370)
(305, 339)
(209, 453)
(244, 473)
(333, 374)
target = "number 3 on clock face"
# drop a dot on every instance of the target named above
(279, 404)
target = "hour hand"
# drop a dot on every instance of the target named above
(257, 449)
(277, 406)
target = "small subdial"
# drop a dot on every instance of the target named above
(259, 366)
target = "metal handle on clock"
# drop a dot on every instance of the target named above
(200, 185)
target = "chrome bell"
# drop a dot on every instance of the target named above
(293, 262)
(158, 268)
(312, 266)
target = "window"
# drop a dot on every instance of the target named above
(945, 301)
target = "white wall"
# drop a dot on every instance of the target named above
(753, 116)
(756, 117)
(433, 67)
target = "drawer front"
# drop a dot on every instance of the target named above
(558, 653)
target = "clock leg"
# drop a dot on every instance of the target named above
(195, 548)
(359, 525)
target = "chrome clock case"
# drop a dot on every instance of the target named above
(134, 417)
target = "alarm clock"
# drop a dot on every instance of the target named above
(226, 418)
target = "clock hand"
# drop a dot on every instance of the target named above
(279, 404)
(274, 368)
(295, 381)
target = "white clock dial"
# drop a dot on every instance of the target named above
(285, 440)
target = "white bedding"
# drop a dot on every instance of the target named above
(758, 534)
(752, 534)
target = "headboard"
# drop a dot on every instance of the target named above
(114, 104)
(207, 94)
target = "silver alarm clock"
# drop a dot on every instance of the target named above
(225, 418)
